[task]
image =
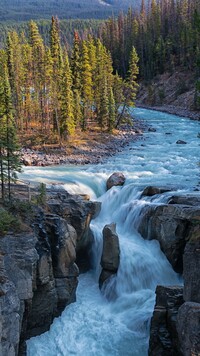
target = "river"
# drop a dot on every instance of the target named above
(116, 322)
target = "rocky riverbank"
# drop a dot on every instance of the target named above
(173, 93)
(92, 150)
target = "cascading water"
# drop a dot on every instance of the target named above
(116, 322)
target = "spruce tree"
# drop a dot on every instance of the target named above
(37, 70)
(76, 79)
(67, 112)
(16, 74)
(9, 157)
(130, 85)
(86, 85)
(112, 110)
(57, 65)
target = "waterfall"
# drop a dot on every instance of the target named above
(115, 322)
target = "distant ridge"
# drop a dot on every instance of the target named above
(24, 10)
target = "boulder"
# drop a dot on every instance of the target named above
(117, 178)
(188, 327)
(27, 161)
(188, 199)
(181, 142)
(111, 253)
(164, 339)
(151, 129)
(151, 190)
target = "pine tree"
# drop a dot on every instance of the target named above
(9, 157)
(130, 85)
(76, 79)
(27, 87)
(112, 110)
(103, 117)
(16, 74)
(57, 70)
(38, 53)
(67, 112)
(86, 85)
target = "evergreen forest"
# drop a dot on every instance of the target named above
(25, 10)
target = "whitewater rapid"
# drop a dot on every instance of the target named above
(116, 322)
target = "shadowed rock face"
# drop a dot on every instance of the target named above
(172, 226)
(191, 271)
(163, 334)
(18, 261)
(188, 326)
(181, 313)
(38, 271)
(188, 320)
(78, 212)
(111, 253)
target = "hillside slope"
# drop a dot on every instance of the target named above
(170, 92)
(23, 10)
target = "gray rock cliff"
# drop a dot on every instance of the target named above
(38, 269)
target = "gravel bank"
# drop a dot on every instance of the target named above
(89, 152)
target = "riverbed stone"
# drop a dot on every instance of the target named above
(181, 142)
(152, 129)
(116, 179)
(152, 190)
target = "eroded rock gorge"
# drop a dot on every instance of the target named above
(39, 269)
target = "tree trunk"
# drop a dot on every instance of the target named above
(2, 176)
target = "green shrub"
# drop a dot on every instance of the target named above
(7, 222)
(41, 198)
